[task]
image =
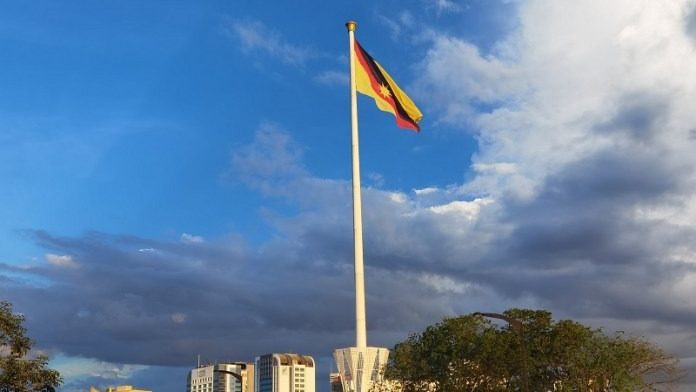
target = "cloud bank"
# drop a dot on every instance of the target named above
(581, 202)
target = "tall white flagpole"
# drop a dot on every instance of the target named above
(360, 366)
(360, 324)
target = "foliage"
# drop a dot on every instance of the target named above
(529, 353)
(18, 372)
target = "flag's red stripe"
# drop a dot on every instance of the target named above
(407, 123)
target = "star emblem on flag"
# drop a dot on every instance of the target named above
(384, 91)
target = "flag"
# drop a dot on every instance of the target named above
(372, 80)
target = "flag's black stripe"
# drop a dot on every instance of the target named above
(374, 69)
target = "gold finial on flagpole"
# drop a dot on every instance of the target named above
(351, 25)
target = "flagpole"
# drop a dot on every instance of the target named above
(359, 366)
(360, 327)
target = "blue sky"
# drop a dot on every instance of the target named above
(175, 175)
(109, 108)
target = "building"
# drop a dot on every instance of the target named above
(222, 377)
(125, 388)
(335, 384)
(285, 373)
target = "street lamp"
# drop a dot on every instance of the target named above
(518, 327)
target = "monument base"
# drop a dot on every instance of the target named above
(360, 368)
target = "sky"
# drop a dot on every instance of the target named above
(176, 175)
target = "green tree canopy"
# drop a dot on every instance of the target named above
(18, 371)
(528, 352)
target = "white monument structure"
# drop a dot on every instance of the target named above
(359, 366)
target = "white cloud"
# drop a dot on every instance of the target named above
(443, 284)
(455, 76)
(496, 168)
(446, 6)
(254, 36)
(61, 260)
(568, 68)
(586, 146)
(375, 179)
(191, 239)
(396, 25)
(79, 367)
(271, 162)
(398, 197)
(179, 317)
(332, 78)
(425, 191)
(468, 209)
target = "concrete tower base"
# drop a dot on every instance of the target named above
(360, 367)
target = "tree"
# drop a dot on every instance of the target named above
(531, 352)
(18, 371)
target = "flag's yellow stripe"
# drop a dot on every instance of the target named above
(406, 102)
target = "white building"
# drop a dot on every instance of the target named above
(285, 373)
(120, 388)
(223, 377)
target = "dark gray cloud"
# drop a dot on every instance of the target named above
(580, 214)
(169, 301)
(573, 243)
(639, 114)
(580, 244)
(690, 23)
(134, 300)
(576, 248)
